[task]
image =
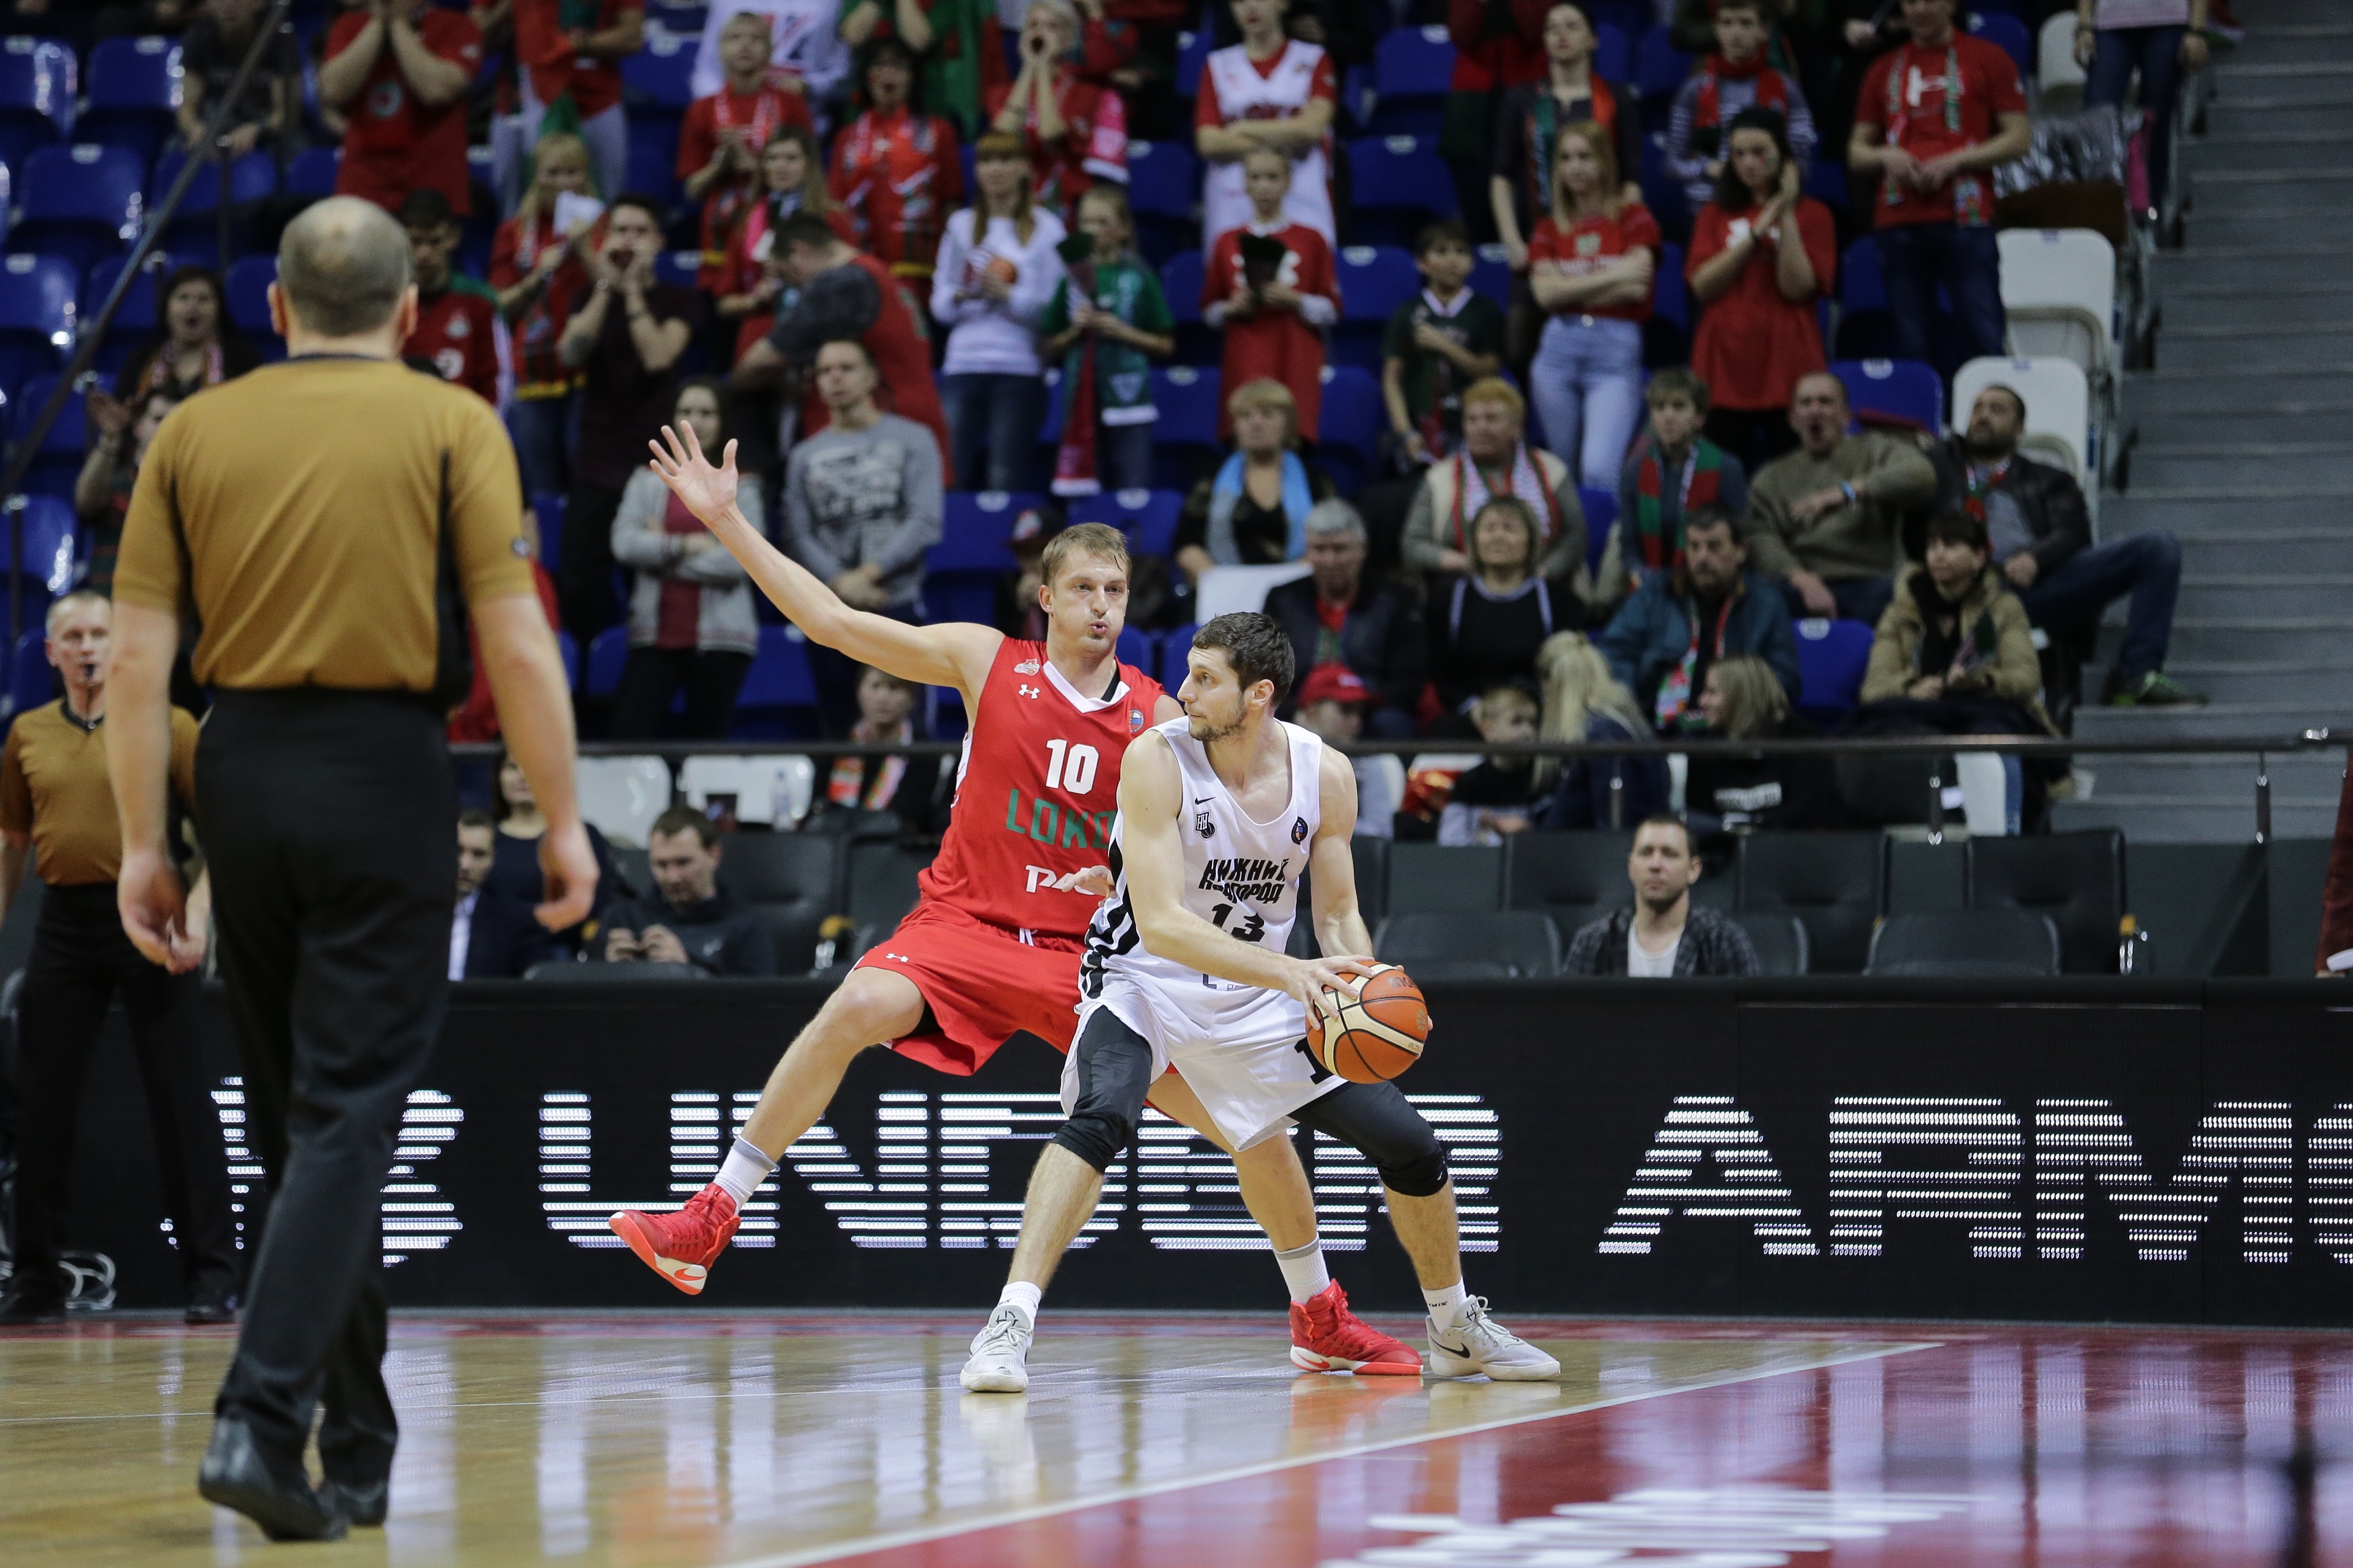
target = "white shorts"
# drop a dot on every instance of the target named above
(1241, 1049)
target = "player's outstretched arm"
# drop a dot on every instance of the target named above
(1339, 924)
(1151, 809)
(957, 654)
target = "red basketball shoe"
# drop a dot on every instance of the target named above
(681, 1247)
(1327, 1337)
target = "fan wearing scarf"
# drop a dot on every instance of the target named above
(1253, 511)
(1107, 322)
(1495, 459)
(1672, 473)
(1735, 77)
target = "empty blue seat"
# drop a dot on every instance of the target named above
(1374, 280)
(32, 679)
(1140, 648)
(1412, 69)
(661, 73)
(36, 96)
(247, 287)
(1175, 645)
(1826, 181)
(2009, 33)
(1348, 426)
(48, 548)
(314, 172)
(678, 267)
(1659, 69)
(1831, 657)
(974, 530)
(1669, 296)
(608, 650)
(1180, 280)
(1148, 517)
(251, 179)
(36, 316)
(653, 158)
(1192, 55)
(1491, 274)
(57, 461)
(1614, 56)
(779, 682)
(1186, 398)
(1399, 183)
(1164, 180)
(1661, 192)
(135, 319)
(134, 94)
(1901, 388)
(80, 201)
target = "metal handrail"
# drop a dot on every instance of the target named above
(90, 331)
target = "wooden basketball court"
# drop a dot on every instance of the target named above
(702, 1440)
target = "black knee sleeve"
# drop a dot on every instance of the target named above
(1115, 1072)
(1379, 1122)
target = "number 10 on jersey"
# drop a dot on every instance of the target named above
(1071, 767)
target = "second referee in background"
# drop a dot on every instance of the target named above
(329, 522)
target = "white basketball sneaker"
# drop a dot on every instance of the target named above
(1000, 1353)
(1477, 1343)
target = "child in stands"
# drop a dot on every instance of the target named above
(1106, 322)
(1273, 287)
(1438, 342)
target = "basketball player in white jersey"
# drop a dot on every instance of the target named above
(1219, 814)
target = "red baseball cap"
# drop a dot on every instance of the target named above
(1332, 683)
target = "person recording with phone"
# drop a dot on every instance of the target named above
(624, 337)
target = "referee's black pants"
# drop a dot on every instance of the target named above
(328, 818)
(82, 961)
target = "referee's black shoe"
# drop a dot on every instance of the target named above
(212, 1304)
(273, 1492)
(24, 1302)
(362, 1502)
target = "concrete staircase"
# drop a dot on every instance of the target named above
(2246, 448)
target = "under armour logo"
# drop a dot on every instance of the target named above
(896, 957)
(1032, 690)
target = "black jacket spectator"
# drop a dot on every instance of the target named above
(1712, 944)
(721, 935)
(2046, 501)
(1380, 637)
(504, 937)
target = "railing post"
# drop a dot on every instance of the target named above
(1617, 796)
(1936, 801)
(2263, 799)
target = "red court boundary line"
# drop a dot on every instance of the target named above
(919, 1535)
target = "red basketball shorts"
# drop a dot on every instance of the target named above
(981, 983)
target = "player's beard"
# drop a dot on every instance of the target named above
(1210, 734)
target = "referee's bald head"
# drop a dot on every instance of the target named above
(342, 266)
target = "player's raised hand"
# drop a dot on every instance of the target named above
(1096, 880)
(707, 492)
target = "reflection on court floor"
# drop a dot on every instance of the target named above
(717, 1441)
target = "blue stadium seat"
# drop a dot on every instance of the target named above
(1661, 192)
(314, 172)
(678, 267)
(1902, 388)
(974, 531)
(1186, 398)
(36, 316)
(135, 319)
(1491, 274)
(1832, 655)
(32, 679)
(1659, 69)
(1148, 517)
(779, 698)
(1164, 180)
(1400, 184)
(653, 157)
(549, 510)
(1412, 69)
(661, 73)
(1140, 648)
(1631, 18)
(1864, 331)
(134, 93)
(1175, 644)
(608, 650)
(59, 458)
(36, 96)
(1613, 57)
(252, 178)
(49, 545)
(1670, 297)
(1180, 280)
(567, 648)
(247, 286)
(1826, 181)
(1374, 280)
(1600, 509)
(2010, 35)
(80, 201)
(1348, 428)
(1192, 54)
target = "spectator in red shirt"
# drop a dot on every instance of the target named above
(1273, 322)
(1075, 130)
(720, 144)
(1590, 263)
(845, 294)
(576, 46)
(895, 169)
(1269, 90)
(456, 335)
(398, 71)
(536, 270)
(1935, 117)
(1762, 253)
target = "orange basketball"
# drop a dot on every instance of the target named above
(1375, 1034)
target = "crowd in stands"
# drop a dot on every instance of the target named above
(900, 251)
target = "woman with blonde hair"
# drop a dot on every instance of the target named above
(1590, 264)
(1253, 511)
(998, 269)
(536, 272)
(1742, 699)
(1583, 701)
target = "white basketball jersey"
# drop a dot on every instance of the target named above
(1243, 94)
(1242, 875)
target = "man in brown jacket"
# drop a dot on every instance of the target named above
(1825, 519)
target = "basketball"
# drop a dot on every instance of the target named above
(1375, 1034)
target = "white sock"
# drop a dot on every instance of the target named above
(1304, 1271)
(742, 1172)
(1026, 1296)
(1446, 1306)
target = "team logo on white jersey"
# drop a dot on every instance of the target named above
(1299, 830)
(1201, 823)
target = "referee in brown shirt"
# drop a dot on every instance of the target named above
(328, 522)
(56, 803)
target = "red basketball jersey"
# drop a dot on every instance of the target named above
(1037, 791)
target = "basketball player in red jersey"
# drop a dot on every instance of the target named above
(992, 947)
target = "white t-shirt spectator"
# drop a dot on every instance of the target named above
(805, 42)
(1643, 965)
(1235, 87)
(988, 337)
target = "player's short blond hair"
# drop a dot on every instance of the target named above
(1099, 540)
